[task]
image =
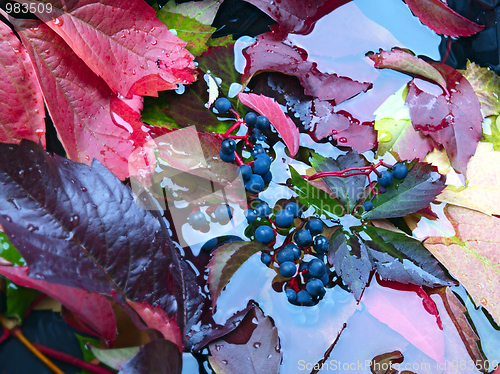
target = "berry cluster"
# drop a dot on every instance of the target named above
(385, 179)
(221, 214)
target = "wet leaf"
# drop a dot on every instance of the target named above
(152, 358)
(21, 104)
(19, 300)
(9, 252)
(136, 43)
(255, 350)
(405, 62)
(494, 136)
(224, 263)
(486, 85)
(472, 256)
(453, 121)
(114, 358)
(420, 187)
(93, 309)
(439, 17)
(482, 189)
(202, 11)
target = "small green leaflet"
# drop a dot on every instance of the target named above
(8, 252)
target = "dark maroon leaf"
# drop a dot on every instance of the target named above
(297, 16)
(442, 19)
(453, 121)
(270, 53)
(158, 357)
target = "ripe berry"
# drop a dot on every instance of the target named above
(285, 254)
(245, 171)
(264, 234)
(304, 297)
(367, 206)
(222, 105)
(228, 146)
(209, 245)
(257, 150)
(197, 219)
(267, 177)
(304, 265)
(250, 214)
(262, 164)
(262, 210)
(294, 208)
(325, 279)
(262, 123)
(316, 268)
(296, 250)
(255, 184)
(386, 178)
(265, 258)
(399, 171)
(227, 157)
(315, 226)
(302, 238)
(315, 287)
(223, 213)
(284, 218)
(321, 244)
(291, 295)
(382, 189)
(287, 269)
(250, 119)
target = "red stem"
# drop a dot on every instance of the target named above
(34, 304)
(236, 114)
(362, 170)
(238, 159)
(5, 335)
(72, 360)
(233, 127)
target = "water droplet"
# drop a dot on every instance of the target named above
(384, 136)
(31, 228)
(84, 189)
(224, 362)
(39, 133)
(154, 42)
(133, 72)
(484, 301)
(343, 140)
(39, 276)
(58, 22)
(7, 218)
(74, 220)
(257, 344)
(218, 347)
(21, 174)
(14, 202)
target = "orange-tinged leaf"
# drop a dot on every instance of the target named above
(486, 85)
(21, 104)
(472, 256)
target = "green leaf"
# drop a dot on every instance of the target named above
(356, 251)
(486, 85)
(348, 190)
(420, 187)
(224, 263)
(494, 138)
(114, 358)
(154, 112)
(309, 195)
(201, 11)
(86, 351)
(19, 299)
(9, 252)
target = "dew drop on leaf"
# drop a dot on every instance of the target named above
(343, 140)
(384, 136)
(484, 301)
(58, 22)
(257, 344)
(21, 174)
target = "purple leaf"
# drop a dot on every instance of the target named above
(158, 357)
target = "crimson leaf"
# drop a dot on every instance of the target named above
(420, 187)
(395, 256)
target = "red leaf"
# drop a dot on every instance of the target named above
(297, 16)
(269, 53)
(453, 121)
(439, 17)
(136, 55)
(281, 122)
(93, 309)
(21, 104)
(79, 103)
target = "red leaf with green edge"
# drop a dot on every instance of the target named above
(21, 104)
(93, 309)
(420, 187)
(114, 358)
(253, 347)
(224, 263)
(157, 319)
(486, 85)
(79, 226)
(80, 103)
(453, 121)
(159, 357)
(281, 122)
(297, 16)
(270, 53)
(138, 55)
(439, 17)
(405, 62)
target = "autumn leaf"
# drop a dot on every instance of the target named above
(482, 189)
(21, 104)
(494, 135)
(151, 359)
(486, 85)
(472, 255)
(138, 55)
(439, 17)
(116, 357)
(280, 121)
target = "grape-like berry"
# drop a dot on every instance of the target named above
(250, 119)
(250, 214)
(262, 164)
(399, 171)
(197, 219)
(302, 238)
(315, 226)
(264, 234)
(265, 258)
(367, 206)
(245, 171)
(304, 297)
(294, 208)
(255, 184)
(223, 213)
(287, 269)
(228, 146)
(257, 150)
(284, 218)
(385, 179)
(316, 268)
(321, 244)
(315, 287)
(209, 245)
(262, 210)
(262, 123)
(267, 177)
(222, 105)
(291, 295)
(285, 254)
(227, 157)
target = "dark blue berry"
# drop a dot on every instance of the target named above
(262, 164)
(209, 245)
(386, 178)
(291, 295)
(287, 269)
(197, 219)
(223, 213)
(304, 265)
(245, 171)
(228, 146)
(226, 158)
(250, 119)
(315, 226)
(367, 206)
(255, 184)
(250, 214)
(382, 189)
(302, 238)
(325, 279)
(257, 150)
(315, 287)
(264, 234)
(304, 297)
(262, 123)
(296, 250)
(321, 244)
(284, 218)
(316, 268)
(262, 210)
(267, 177)
(294, 208)
(399, 171)
(222, 105)
(265, 258)
(285, 254)
(255, 135)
